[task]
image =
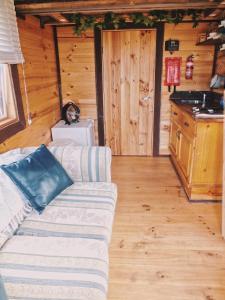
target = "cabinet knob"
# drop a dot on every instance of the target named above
(175, 113)
(186, 124)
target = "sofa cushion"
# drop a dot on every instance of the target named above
(86, 164)
(11, 156)
(3, 295)
(84, 210)
(83, 164)
(39, 176)
(13, 208)
(54, 268)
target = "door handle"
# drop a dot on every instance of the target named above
(178, 134)
(146, 98)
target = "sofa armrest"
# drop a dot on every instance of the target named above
(87, 164)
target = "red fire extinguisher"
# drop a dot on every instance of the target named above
(189, 67)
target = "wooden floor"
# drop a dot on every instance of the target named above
(163, 248)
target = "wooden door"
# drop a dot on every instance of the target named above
(128, 85)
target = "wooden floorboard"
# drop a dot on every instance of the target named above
(163, 247)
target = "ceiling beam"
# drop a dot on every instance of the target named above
(119, 6)
(212, 14)
(59, 17)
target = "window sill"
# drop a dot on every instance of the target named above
(6, 122)
(9, 130)
(13, 125)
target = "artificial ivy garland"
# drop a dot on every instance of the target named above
(148, 20)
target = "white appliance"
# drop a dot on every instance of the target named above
(81, 133)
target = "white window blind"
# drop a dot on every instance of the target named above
(8, 108)
(10, 50)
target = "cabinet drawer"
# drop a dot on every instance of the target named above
(188, 124)
(176, 113)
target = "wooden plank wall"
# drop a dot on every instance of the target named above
(78, 75)
(203, 62)
(77, 67)
(40, 71)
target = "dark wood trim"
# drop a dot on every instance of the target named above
(16, 82)
(58, 67)
(216, 51)
(158, 79)
(99, 85)
(20, 124)
(19, 2)
(22, 17)
(158, 87)
(42, 21)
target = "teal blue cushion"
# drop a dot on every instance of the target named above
(39, 176)
(3, 295)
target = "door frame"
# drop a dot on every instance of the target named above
(158, 81)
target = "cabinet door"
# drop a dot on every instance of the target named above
(185, 154)
(174, 137)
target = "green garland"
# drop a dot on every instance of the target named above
(148, 20)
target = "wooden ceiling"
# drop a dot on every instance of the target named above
(58, 12)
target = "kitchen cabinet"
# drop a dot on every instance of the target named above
(185, 154)
(196, 147)
(174, 137)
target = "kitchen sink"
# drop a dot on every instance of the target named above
(199, 103)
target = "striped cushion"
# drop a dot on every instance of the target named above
(39, 268)
(3, 295)
(90, 164)
(87, 164)
(84, 210)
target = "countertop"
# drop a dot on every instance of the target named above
(200, 117)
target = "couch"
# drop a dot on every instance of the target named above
(62, 254)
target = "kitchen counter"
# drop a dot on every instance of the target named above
(200, 117)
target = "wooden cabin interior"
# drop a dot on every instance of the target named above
(149, 78)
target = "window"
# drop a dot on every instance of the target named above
(8, 107)
(11, 110)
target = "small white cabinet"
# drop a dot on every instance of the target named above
(81, 133)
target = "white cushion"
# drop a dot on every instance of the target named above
(13, 207)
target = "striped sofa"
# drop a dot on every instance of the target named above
(62, 254)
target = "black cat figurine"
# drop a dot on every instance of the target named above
(70, 113)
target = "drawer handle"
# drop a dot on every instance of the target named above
(175, 113)
(186, 124)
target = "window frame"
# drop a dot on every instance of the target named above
(20, 124)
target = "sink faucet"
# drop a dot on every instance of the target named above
(204, 100)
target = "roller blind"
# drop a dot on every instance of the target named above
(10, 50)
